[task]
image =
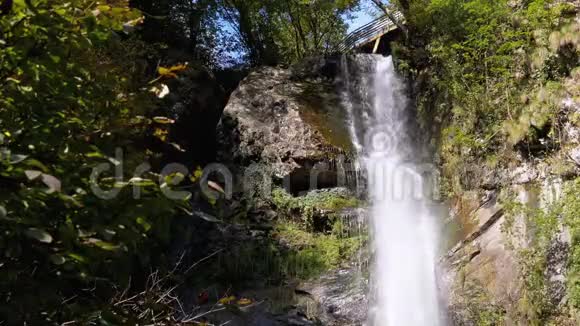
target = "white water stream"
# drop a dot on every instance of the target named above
(404, 234)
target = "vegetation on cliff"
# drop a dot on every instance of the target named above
(492, 75)
(496, 82)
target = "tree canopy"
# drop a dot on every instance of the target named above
(286, 30)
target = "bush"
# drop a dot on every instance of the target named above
(65, 105)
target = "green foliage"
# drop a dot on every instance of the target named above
(182, 25)
(491, 74)
(490, 317)
(67, 100)
(541, 225)
(312, 254)
(308, 240)
(571, 215)
(314, 208)
(289, 252)
(284, 31)
(475, 304)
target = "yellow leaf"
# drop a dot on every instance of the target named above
(244, 301)
(161, 134)
(136, 21)
(171, 71)
(166, 72)
(227, 300)
(178, 68)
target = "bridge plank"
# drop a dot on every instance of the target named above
(369, 32)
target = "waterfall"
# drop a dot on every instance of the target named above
(403, 285)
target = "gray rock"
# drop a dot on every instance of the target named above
(574, 154)
(274, 120)
(341, 297)
(524, 173)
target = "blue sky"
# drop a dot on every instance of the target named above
(364, 15)
(361, 19)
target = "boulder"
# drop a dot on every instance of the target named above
(282, 120)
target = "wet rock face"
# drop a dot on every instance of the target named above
(339, 296)
(276, 120)
(481, 270)
(484, 269)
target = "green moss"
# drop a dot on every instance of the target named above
(317, 200)
(308, 210)
(545, 222)
(325, 114)
(294, 249)
(476, 307)
(290, 252)
(491, 317)
(311, 254)
(534, 306)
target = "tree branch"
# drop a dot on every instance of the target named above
(382, 6)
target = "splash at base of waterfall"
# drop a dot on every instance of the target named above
(404, 231)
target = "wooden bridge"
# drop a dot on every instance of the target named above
(370, 33)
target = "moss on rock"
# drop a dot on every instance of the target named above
(318, 210)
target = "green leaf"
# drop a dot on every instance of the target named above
(55, 58)
(144, 224)
(57, 259)
(94, 154)
(77, 257)
(104, 7)
(25, 89)
(17, 158)
(207, 217)
(3, 212)
(36, 164)
(102, 244)
(39, 235)
(136, 181)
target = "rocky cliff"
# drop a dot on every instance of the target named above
(513, 227)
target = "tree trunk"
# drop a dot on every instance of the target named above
(382, 6)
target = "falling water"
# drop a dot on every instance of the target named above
(404, 235)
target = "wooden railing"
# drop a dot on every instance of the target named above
(369, 32)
